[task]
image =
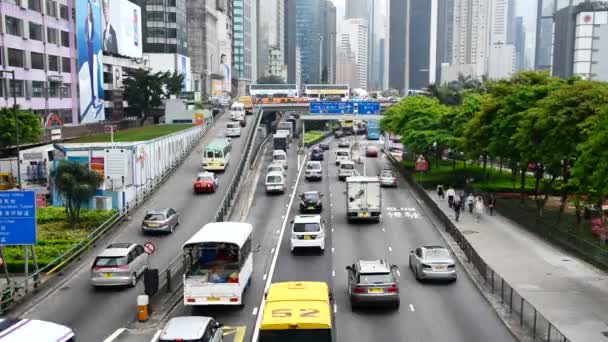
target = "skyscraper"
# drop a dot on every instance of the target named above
(164, 26)
(243, 53)
(501, 55)
(520, 43)
(271, 31)
(329, 41)
(291, 45)
(397, 41)
(357, 9)
(309, 39)
(357, 39)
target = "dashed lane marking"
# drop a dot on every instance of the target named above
(156, 335)
(390, 249)
(335, 308)
(255, 311)
(264, 277)
(333, 273)
(114, 335)
(333, 250)
(412, 308)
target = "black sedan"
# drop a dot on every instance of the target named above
(324, 146)
(316, 154)
(310, 201)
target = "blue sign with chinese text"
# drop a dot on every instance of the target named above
(368, 107)
(17, 218)
(336, 107)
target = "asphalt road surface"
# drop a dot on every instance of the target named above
(95, 314)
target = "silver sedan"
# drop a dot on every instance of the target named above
(432, 262)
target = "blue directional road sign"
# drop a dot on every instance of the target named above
(17, 218)
(368, 107)
(336, 107)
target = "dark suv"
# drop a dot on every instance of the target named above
(311, 201)
(373, 282)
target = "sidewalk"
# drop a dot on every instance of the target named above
(570, 293)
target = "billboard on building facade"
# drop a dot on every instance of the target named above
(90, 64)
(122, 28)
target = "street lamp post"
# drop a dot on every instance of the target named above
(12, 72)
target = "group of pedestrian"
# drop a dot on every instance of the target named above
(459, 202)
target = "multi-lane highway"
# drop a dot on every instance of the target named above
(429, 311)
(94, 314)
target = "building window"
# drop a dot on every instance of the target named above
(37, 60)
(15, 2)
(54, 89)
(64, 91)
(35, 31)
(13, 26)
(34, 5)
(63, 12)
(18, 87)
(15, 58)
(65, 39)
(37, 89)
(51, 8)
(53, 63)
(51, 35)
(65, 64)
(156, 16)
(171, 17)
(171, 33)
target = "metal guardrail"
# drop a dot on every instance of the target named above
(170, 276)
(529, 318)
(16, 291)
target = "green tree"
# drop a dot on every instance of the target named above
(143, 91)
(76, 183)
(30, 130)
(173, 83)
(271, 79)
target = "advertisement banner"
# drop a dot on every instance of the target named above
(217, 88)
(199, 119)
(90, 57)
(97, 165)
(122, 28)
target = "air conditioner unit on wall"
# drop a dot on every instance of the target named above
(102, 203)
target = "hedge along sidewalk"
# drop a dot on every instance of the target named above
(568, 292)
(19, 290)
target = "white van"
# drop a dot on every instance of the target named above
(233, 129)
(342, 154)
(280, 157)
(275, 182)
(237, 113)
(307, 231)
(346, 169)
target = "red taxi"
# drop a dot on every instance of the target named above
(205, 182)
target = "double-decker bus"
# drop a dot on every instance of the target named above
(217, 154)
(328, 92)
(373, 130)
(297, 311)
(274, 93)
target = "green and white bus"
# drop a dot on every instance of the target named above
(217, 154)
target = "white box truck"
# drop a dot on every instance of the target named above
(363, 198)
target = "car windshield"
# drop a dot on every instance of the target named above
(274, 179)
(154, 217)
(313, 166)
(347, 166)
(111, 261)
(306, 227)
(232, 125)
(386, 174)
(313, 196)
(206, 178)
(377, 278)
(436, 254)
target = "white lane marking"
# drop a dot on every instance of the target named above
(333, 250)
(275, 257)
(287, 205)
(332, 230)
(412, 308)
(278, 231)
(398, 273)
(156, 336)
(335, 308)
(390, 249)
(384, 230)
(115, 335)
(333, 273)
(264, 277)
(255, 311)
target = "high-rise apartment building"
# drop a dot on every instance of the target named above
(164, 26)
(328, 70)
(271, 33)
(309, 37)
(38, 45)
(357, 36)
(501, 56)
(346, 65)
(243, 50)
(357, 9)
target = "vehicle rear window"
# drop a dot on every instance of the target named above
(395, 149)
(274, 179)
(383, 278)
(387, 174)
(306, 227)
(342, 153)
(347, 166)
(279, 157)
(111, 261)
(436, 253)
(275, 168)
(232, 125)
(205, 178)
(313, 166)
(311, 196)
(154, 217)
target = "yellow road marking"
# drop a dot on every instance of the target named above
(238, 332)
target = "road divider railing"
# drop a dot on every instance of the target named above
(170, 278)
(18, 290)
(522, 311)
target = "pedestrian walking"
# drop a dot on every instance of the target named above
(492, 204)
(479, 206)
(440, 192)
(471, 202)
(451, 194)
(458, 203)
